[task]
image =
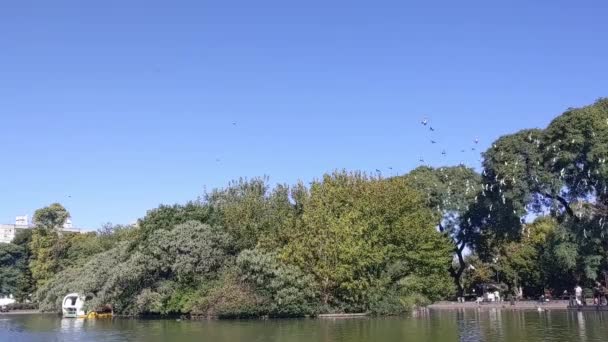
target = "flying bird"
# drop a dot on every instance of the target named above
(431, 128)
(443, 152)
(433, 142)
(476, 140)
(424, 121)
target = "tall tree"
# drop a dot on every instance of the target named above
(355, 228)
(450, 192)
(44, 246)
(25, 286)
(560, 171)
(51, 217)
(251, 211)
(12, 267)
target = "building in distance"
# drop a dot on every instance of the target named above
(8, 231)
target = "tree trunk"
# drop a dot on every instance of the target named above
(457, 273)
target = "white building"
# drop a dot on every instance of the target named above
(6, 300)
(22, 221)
(8, 231)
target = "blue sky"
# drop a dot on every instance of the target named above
(124, 105)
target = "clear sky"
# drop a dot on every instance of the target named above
(114, 107)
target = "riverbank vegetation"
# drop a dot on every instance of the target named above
(535, 217)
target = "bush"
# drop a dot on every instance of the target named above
(23, 306)
(289, 292)
(227, 297)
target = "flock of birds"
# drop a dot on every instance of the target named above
(426, 123)
(500, 181)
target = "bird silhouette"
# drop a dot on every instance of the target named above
(443, 152)
(433, 142)
(432, 129)
(424, 121)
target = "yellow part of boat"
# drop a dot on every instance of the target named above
(93, 315)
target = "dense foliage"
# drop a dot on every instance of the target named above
(534, 217)
(347, 243)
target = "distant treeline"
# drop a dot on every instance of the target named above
(348, 242)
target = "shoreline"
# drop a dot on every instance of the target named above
(25, 312)
(521, 305)
(443, 305)
(343, 315)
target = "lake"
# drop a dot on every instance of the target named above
(466, 325)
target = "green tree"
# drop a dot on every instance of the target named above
(522, 263)
(354, 227)
(44, 261)
(12, 267)
(252, 212)
(450, 193)
(165, 217)
(560, 171)
(51, 217)
(148, 277)
(287, 290)
(25, 285)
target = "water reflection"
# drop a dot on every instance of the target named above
(71, 325)
(468, 325)
(464, 325)
(580, 319)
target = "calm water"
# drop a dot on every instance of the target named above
(470, 326)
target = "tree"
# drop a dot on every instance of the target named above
(147, 277)
(165, 217)
(191, 250)
(25, 285)
(51, 217)
(287, 291)
(44, 261)
(450, 193)
(12, 266)
(560, 171)
(250, 211)
(354, 227)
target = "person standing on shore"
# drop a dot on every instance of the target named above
(578, 294)
(520, 293)
(596, 294)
